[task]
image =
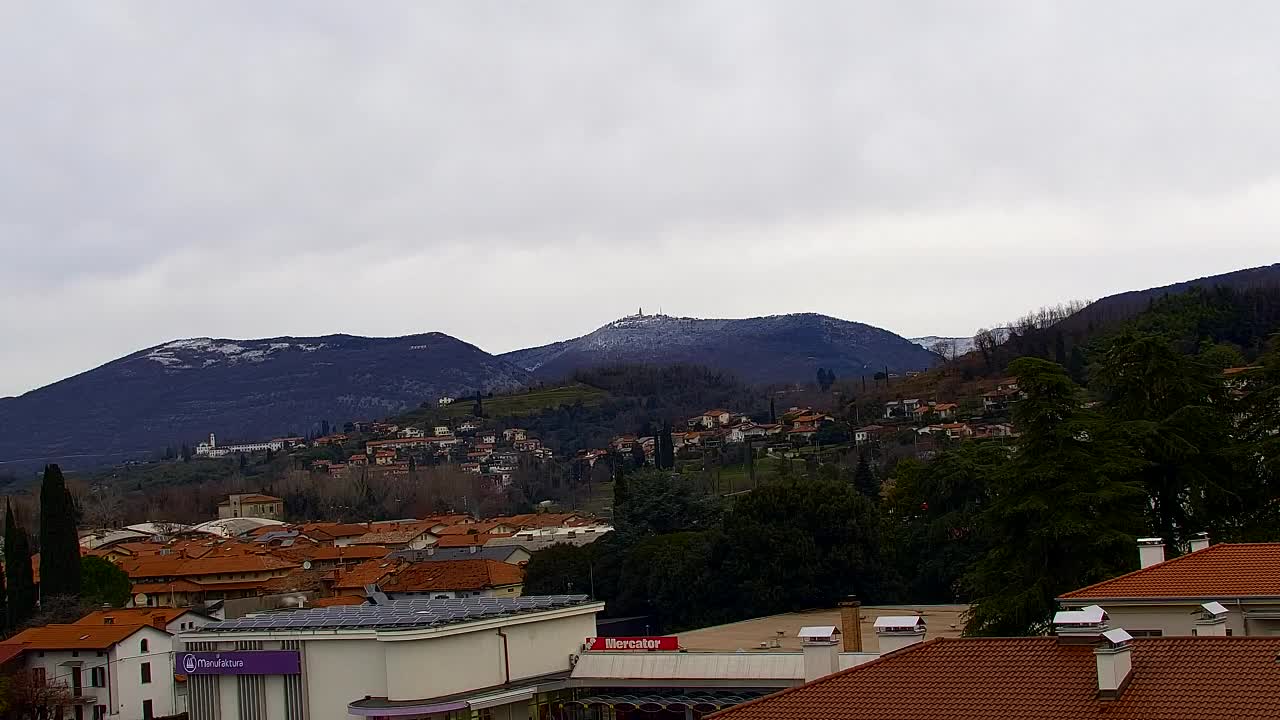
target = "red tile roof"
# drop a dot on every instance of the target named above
(452, 541)
(157, 617)
(1035, 678)
(335, 601)
(1226, 570)
(454, 575)
(73, 637)
(370, 572)
(165, 566)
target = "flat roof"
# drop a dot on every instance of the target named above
(407, 614)
(942, 621)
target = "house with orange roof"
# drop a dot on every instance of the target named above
(1228, 588)
(1092, 675)
(255, 505)
(107, 671)
(413, 537)
(183, 581)
(445, 579)
(171, 620)
(352, 580)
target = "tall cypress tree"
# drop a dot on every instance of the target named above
(864, 479)
(59, 547)
(20, 591)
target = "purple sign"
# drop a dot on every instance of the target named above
(239, 662)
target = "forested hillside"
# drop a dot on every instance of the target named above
(1154, 439)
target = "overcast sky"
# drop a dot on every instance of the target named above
(514, 173)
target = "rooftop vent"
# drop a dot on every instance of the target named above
(895, 632)
(1081, 626)
(1199, 542)
(1115, 663)
(1212, 622)
(1150, 551)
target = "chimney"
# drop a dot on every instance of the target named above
(1115, 663)
(896, 632)
(1212, 622)
(1080, 627)
(821, 651)
(1150, 551)
(1199, 541)
(851, 623)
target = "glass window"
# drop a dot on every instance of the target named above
(99, 712)
(147, 713)
(145, 645)
(146, 673)
(98, 677)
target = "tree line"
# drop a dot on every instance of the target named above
(1155, 442)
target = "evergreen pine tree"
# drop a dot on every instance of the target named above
(1064, 511)
(667, 459)
(773, 413)
(864, 479)
(59, 546)
(20, 590)
(637, 454)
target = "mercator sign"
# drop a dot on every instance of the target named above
(657, 642)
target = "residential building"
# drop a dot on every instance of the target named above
(1168, 597)
(1099, 674)
(512, 554)
(110, 671)
(710, 419)
(946, 411)
(212, 449)
(252, 505)
(182, 581)
(513, 434)
(472, 577)
(412, 432)
(413, 538)
(499, 658)
(171, 620)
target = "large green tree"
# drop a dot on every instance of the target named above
(1063, 512)
(659, 501)
(804, 543)
(933, 511)
(102, 582)
(1172, 411)
(59, 544)
(20, 597)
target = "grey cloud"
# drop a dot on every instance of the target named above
(227, 167)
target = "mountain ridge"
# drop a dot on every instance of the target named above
(766, 349)
(181, 390)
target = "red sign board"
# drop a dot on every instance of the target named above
(659, 642)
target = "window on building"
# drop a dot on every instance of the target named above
(1146, 633)
(99, 712)
(79, 712)
(108, 620)
(98, 677)
(147, 713)
(37, 674)
(145, 645)
(146, 673)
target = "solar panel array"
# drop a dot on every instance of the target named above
(397, 614)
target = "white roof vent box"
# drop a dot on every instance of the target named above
(1117, 638)
(1214, 610)
(899, 623)
(1080, 626)
(819, 634)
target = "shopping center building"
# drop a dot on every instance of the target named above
(492, 658)
(526, 658)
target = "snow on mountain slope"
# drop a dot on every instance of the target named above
(776, 348)
(962, 344)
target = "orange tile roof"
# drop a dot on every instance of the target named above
(1226, 570)
(325, 553)
(451, 541)
(470, 528)
(254, 498)
(1035, 678)
(390, 537)
(454, 575)
(164, 566)
(369, 572)
(331, 529)
(157, 617)
(73, 637)
(335, 601)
